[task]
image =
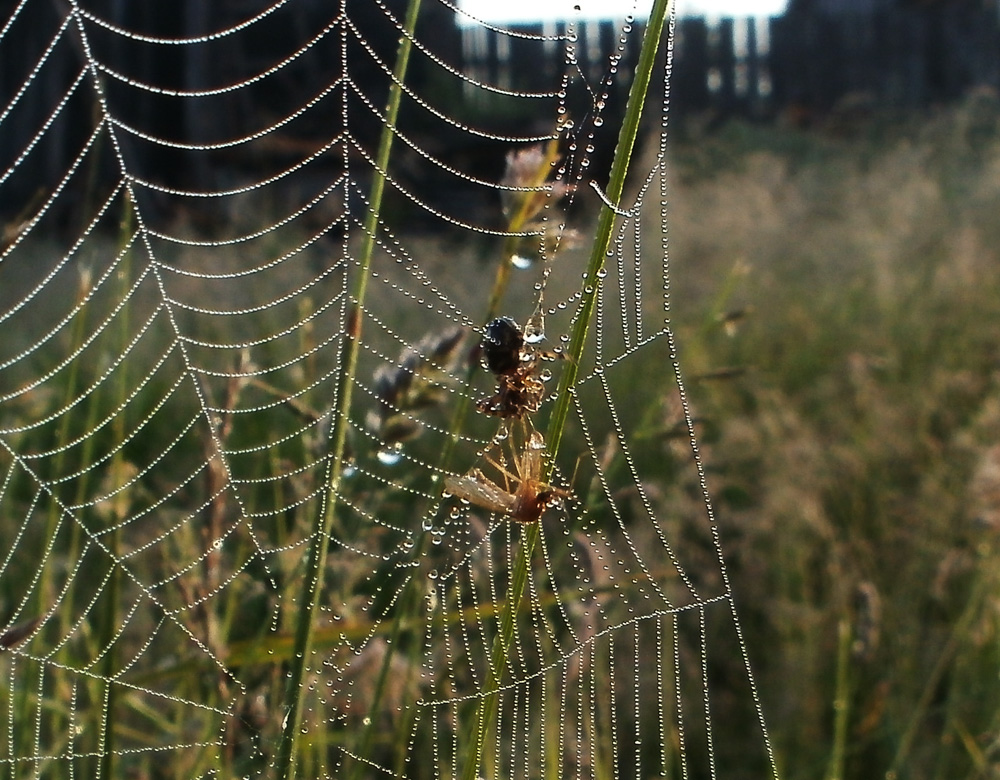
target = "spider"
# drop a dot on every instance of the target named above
(519, 390)
(530, 497)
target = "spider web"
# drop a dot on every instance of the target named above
(185, 201)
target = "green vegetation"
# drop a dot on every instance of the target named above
(854, 454)
(836, 303)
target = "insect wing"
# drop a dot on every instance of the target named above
(477, 489)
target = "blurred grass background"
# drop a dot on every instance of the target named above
(853, 437)
(836, 299)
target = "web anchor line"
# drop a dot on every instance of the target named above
(629, 213)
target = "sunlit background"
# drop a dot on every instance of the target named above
(527, 11)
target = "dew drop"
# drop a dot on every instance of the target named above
(602, 272)
(534, 330)
(521, 262)
(390, 456)
(598, 121)
(545, 375)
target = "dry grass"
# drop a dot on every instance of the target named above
(855, 459)
(853, 456)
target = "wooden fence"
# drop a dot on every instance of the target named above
(808, 60)
(900, 57)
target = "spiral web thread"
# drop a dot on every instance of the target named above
(174, 293)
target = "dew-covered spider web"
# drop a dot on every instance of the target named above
(232, 359)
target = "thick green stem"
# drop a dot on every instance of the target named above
(605, 225)
(316, 563)
(486, 711)
(109, 618)
(841, 702)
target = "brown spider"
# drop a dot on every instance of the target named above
(519, 390)
(523, 497)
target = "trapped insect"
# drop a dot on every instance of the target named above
(521, 387)
(524, 497)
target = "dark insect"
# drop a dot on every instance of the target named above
(502, 344)
(519, 390)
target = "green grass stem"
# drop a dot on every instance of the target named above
(486, 710)
(323, 522)
(841, 702)
(107, 768)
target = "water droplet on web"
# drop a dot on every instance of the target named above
(602, 272)
(390, 456)
(598, 121)
(427, 524)
(534, 330)
(500, 435)
(521, 262)
(545, 375)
